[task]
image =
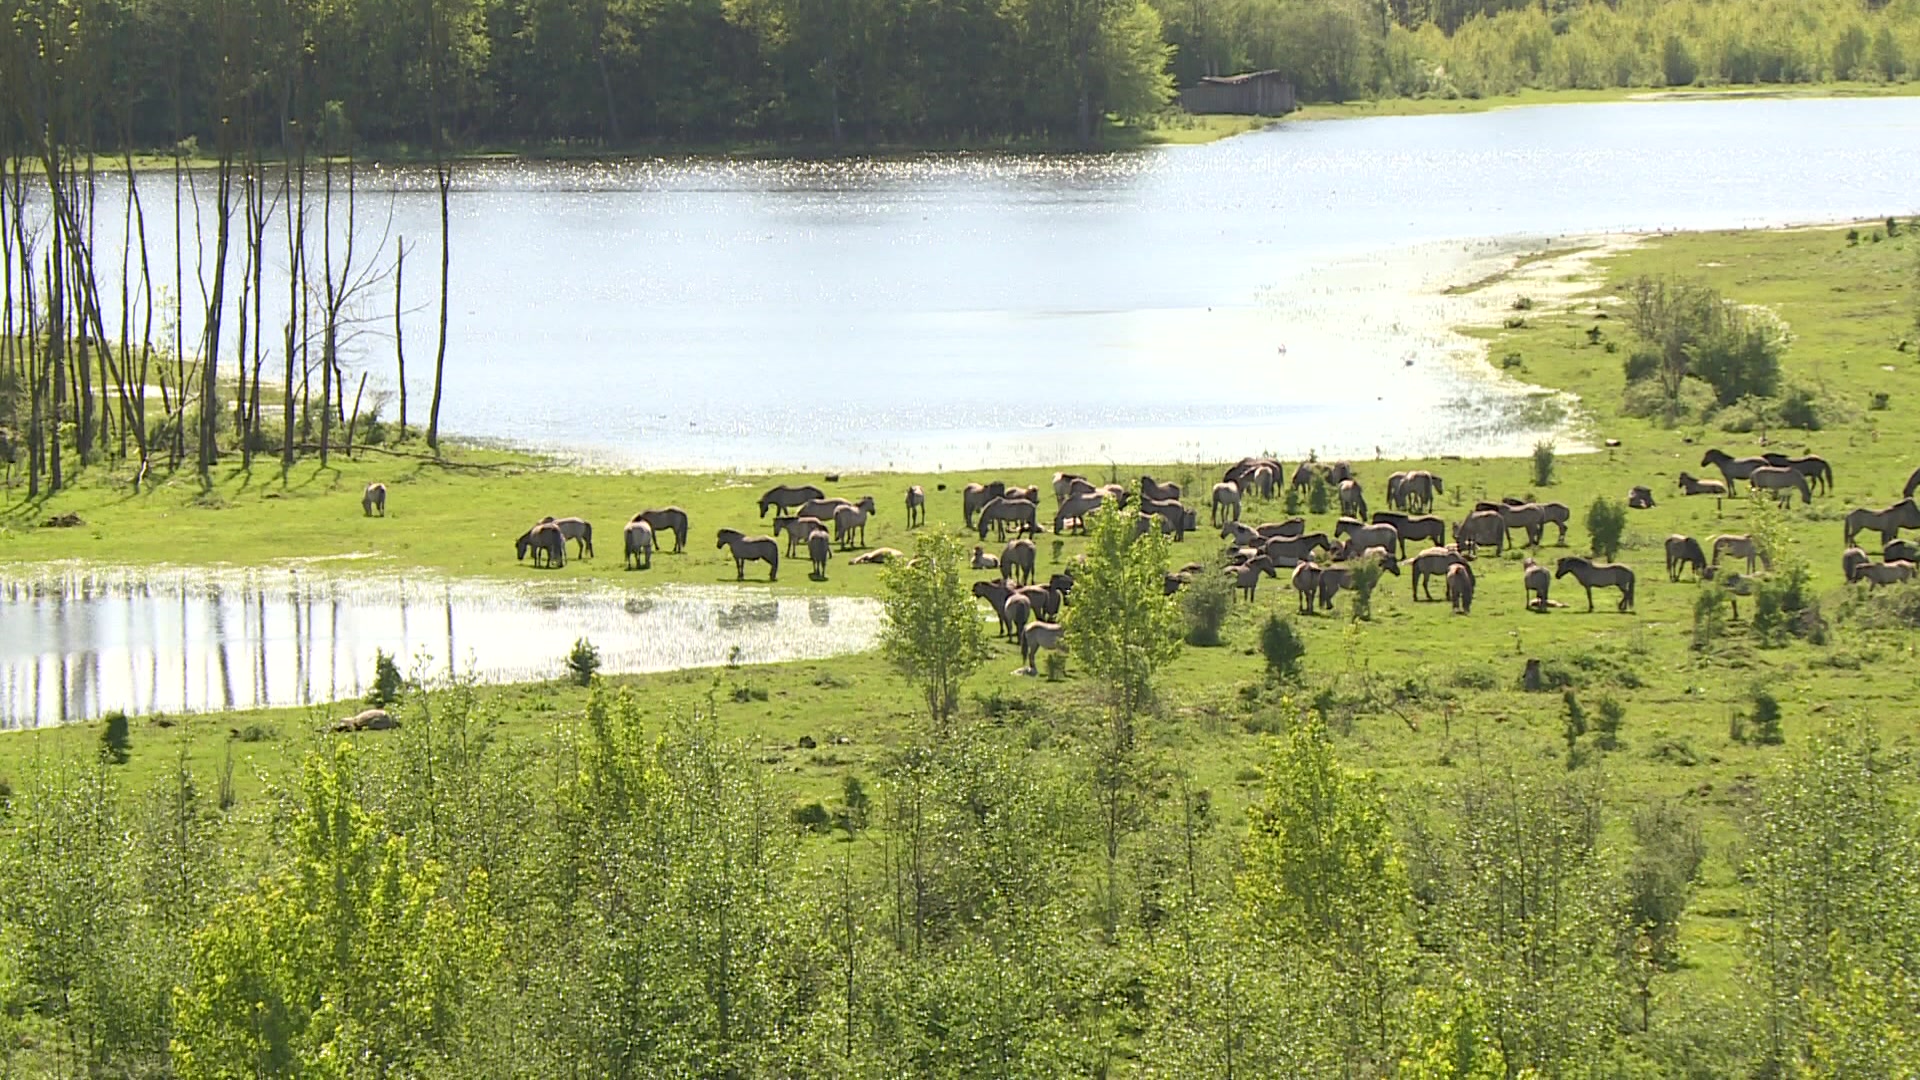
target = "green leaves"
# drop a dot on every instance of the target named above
(934, 637)
(1122, 626)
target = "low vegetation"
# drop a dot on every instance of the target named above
(1313, 850)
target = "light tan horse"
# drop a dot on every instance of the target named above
(849, 520)
(1040, 635)
(1306, 582)
(1016, 561)
(916, 506)
(819, 551)
(1851, 560)
(1888, 523)
(1885, 573)
(1481, 528)
(545, 543)
(1417, 490)
(639, 536)
(1077, 509)
(1460, 589)
(999, 513)
(1691, 486)
(1226, 499)
(1432, 563)
(1535, 583)
(1740, 547)
(984, 561)
(372, 499)
(876, 557)
(1353, 501)
(1781, 483)
(575, 529)
(798, 530)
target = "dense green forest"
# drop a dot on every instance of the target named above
(616, 71)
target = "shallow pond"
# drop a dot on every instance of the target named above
(76, 642)
(1271, 292)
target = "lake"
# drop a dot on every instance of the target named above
(78, 641)
(1276, 292)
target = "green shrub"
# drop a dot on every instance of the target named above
(385, 692)
(1640, 365)
(583, 662)
(116, 742)
(1366, 577)
(1880, 402)
(1206, 602)
(1709, 615)
(1319, 495)
(1799, 409)
(1056, 666)
(1282, 647)
(1765, 716)
(812, 817)
(1543, 463)
(1609, 715)
(856, 806)
(1606, 525)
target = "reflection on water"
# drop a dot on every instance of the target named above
(76, 642)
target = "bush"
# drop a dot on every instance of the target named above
(856, 806)
(1606, 525)
(385, 692)
(1292, 500)
(583, 662)
(1709, 615)
(1283, 648)
(116, 743)
(1319, 495)
(1798, 409)
(1206, 602)
(1880, 401)
(1640, 366)
(1366, 576)
(812, 817)
(1609, 715)
(1765, 716)
(1542, 464)
(1056, 666)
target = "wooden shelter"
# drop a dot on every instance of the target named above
(1255, 93)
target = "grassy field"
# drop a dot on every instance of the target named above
(1416, 693)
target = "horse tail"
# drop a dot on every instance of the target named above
(1628, 589)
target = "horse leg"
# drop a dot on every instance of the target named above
(1589, 597)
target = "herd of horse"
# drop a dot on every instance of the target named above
(1319, 565)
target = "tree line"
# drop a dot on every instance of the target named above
(635, 896)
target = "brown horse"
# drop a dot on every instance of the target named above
(1888, 523)
(667, 519)
(1591, 574)
(1780, 483)
(1682, 552)
(1460, 589)
(746, 549)
(545, 542)
(786, 497)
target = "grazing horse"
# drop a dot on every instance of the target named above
(1173, 514)
(639, 537)
(667, 519)
(1780, 482)
(1151, 489)
(1040, 635)
(1535, 583)
(746, 549)
(1730, 467)
(1682, 552)
(574, 529)
(1226, 496)
(916, 506)
(1691, 486)
(1460, 589)
(975, 496)
(1740, 547)
(1604, 575)
(819, 550)
(1432, 563)
(785, 497)
(1888, 523)
(1262, 473)
(1003, 512)
(1076, 509)
(1886, 573)
(1417, 490)
(848, 520)
(374, 498)
(798, 529)
(1482, 527)
(1016, 561)
(1526, 517)
(545, 542)
(1851, 560)
(1814, 467)
(1353, 501)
